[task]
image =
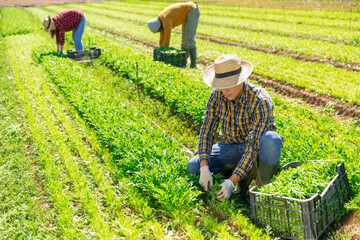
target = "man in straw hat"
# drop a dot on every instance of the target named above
(250, 147)
(67, 20)
(186, 14)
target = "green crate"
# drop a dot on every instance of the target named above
(171, 56)
(301, 219)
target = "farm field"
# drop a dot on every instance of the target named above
(99, 150)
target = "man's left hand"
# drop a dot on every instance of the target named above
(225, 191)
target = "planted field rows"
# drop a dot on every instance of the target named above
(108, 142)
(316, 77)
(233, 27)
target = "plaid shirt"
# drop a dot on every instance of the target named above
(66, 21)
(253, 111)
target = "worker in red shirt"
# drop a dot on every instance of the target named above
(186, 14)
(67, 20)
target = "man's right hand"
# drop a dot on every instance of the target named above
(206, 179)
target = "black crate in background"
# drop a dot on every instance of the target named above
(301, 219)
(177, 60)
(92, 53)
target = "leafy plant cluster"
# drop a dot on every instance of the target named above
(304, 181)
(170, 55)
(15, 21)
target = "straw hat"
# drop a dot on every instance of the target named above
(154, 25)
(47, 23)
(227, 71)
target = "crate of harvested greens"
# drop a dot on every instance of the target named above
(302, 200)
(170, 55)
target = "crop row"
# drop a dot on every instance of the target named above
(307, 133)
(260, 12)
(15, 21)
(180, 95)
(308, 138)
(20, 214)
(242, 19)
(311, 6)
(152, 162)
(317, 77)
(229, 29)
(77, 181)
(132, 140)
(113, 138)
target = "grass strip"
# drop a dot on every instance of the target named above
(53, 171)
(16, 21)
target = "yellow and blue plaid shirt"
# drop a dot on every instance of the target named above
(253, 111)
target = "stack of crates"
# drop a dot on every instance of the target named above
(301, 219)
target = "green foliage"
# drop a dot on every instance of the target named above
(22, 213)
(148, 166)
(16, 21)
(304, 181)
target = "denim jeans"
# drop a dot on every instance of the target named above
(189, 29)
(224, 158)
(77, 35)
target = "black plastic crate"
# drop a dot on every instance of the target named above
(301, 219)
(91, 54)
(173, 56)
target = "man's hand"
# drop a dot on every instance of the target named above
(206, 179)
(225, 191)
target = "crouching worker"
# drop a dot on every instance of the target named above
(67, 20)
(186, 14)
(241, 108)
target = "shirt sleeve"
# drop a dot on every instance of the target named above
(208, 129)
(262, 119)
(60, 37)
(165, 35)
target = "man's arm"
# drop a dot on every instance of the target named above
(208, 129)
(165, 35)
(206, 140)
(262, 120)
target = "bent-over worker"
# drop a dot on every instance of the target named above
(186, 14)
(241, 108)
(67, 20)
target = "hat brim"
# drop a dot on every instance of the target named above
(227, 82)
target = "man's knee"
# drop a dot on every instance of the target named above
(270, 147)
(193, 166)
(271, 139)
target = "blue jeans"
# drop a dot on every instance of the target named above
(77, 35)
(224, 158)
